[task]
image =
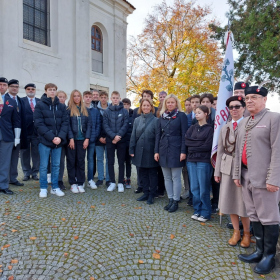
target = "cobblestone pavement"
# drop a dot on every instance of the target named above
(102, 235)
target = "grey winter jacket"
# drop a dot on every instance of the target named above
(143, 147)
(115, 122)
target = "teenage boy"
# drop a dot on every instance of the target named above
(115, 124)
(195, 102)
(127, 104)
(95, 131)
(100, 144)
(188, 107)
(51, 122)
(31, 152)
(214, 104)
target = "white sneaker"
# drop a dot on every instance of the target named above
(92, 185)
(57, 192)
(49, 178)
(111, 187)
(120, 187)
(195, 216)
(74, 188)
(43, 193)
(81, 189)
(202, 219)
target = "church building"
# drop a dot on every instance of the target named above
(76, 44)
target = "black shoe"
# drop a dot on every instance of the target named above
(190, 203)
(174, 206)
(108, 183)
(150, 199)
(169, 204)
(214, 208)
(144, 197)
(35, 177)
(17, 183)
(6, 191)
(61, 185)
(138, 190)
(256, 256)
(99, 183)
(267, 263)
(26, 178)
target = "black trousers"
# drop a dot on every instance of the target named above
(215, 191)
(120, 147)
(127, 163)
(76, 163)
(161, 186)
(149, 179)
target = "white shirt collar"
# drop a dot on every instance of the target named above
(238, 121)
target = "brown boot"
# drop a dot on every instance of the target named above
(235, 237)
(246, 239)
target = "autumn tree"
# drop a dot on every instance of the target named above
(175, 52)
(256, 28)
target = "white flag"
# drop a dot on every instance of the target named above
(225, 92)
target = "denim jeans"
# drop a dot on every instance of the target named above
(200, 183)
(100, 150)
(90, 160)
(45, 152)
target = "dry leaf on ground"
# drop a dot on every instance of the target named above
(92, 206)
(10, 267)
(131, 234)
(91, 278)
(140, 261)
(18, 217)
(65, 254)
(33, 238)
(11, 277)
(172, 236)
(63, 219)
(184, 226)
(156, 256)
(14, 230)
(158, 251)
(76, 237)
(6, 246)
(102, 203)
(14, 261)
(203, 224)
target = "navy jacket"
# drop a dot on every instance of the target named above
(130, 126)
(115, 122)
(170, 141)
(189, 118)
(73, 125)
(199, 142)
(22, 113)
(95, 124)
(51, 120)
(29, 116)
(9, 119)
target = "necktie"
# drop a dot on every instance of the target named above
(32, 105)
(234, 125)
(14, 97)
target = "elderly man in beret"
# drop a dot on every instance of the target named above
(29, 102)
(9, 135)
(256, 170)
(3, 85)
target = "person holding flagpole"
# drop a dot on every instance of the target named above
(230, 199)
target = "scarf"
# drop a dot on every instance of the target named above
(170, 115)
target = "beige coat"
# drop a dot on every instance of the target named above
(230, 198)
(263, 149)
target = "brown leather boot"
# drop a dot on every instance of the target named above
(235, 237)
(246, 239)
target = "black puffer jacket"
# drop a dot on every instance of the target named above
(73, 125)
(130, 126)
(51, 120)
(115, 122)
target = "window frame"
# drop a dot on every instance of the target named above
(95, 27)
(46, 28)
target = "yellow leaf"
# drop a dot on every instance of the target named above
(33, 238)
(6, 246)
(140, 261)
(63, 219)
(156, 256)
(14, 230)
(172, 236)
(203, 224)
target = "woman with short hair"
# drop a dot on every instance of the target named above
(170, 149)
(79, 135)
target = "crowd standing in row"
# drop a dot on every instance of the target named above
(162, 142)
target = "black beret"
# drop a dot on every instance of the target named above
(256, 90)
(3, 80)
(240, 85)
(30, 85)
(235, 98)
(13, 81)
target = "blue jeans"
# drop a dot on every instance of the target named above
(200, 183)
(45, 152)
(90, 160)
(100, 162)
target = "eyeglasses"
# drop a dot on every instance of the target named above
(235, 107)
(253, 97)
(14, 86)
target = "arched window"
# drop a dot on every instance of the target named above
(96, 49)
(96, 39)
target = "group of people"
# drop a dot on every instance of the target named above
(163, 143)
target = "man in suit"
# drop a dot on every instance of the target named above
(13, 88)
(256, 170)
(9, 135)
(29, 102)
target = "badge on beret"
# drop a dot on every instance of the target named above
(243, 85)
(239, 97)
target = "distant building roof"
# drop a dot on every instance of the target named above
(130, 4)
